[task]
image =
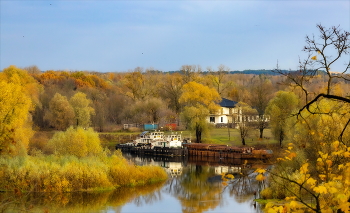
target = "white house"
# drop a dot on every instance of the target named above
(224, 116)
(229, 111)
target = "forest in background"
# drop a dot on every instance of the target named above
(106, 101)
(147, 96)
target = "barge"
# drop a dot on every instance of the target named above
(158, 144)
(200, 151)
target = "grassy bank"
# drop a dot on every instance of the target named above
(232, 137)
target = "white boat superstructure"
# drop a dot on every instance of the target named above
(157, 139)
(173, 140)
(147, 137)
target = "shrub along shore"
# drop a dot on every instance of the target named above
(74, 161)
(67, 173)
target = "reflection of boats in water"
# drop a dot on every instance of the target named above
(228, 169)
(173, 166)
(174, 169)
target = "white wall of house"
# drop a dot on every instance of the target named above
(225, 115)
(217, 119)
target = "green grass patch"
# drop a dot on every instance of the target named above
(232, 137)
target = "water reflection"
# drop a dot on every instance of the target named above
(200, 188)
(194, 186)
(80, 201)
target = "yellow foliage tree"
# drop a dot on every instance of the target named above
(314, 172)
(15, 119)
(78, 142)
(199, 102)
(61, 113)
(280, 109)
(82, 109)
(323, 188)
(316, 166)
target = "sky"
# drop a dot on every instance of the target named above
(119, 36)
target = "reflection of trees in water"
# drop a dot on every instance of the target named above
(80, 201)
(198, 189)
(243, 185)
(149, 198)
(244, 188)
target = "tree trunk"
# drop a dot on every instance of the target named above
(261, 132)
(281, 138)
(199, 135)
(243, 141)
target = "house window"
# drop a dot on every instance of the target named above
(212, 119)
(222, 119)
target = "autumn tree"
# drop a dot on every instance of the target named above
(280, 108)
(60, 114)
(315, 169)
(79, 142)
(171, 89)
(15, 118)
(219, 79)
(245, 119)
(318, 186)
(15, 129)
(19, 94)
(99, 102)
(199, 102)
(239, 90)
(190, 73)
(148, 111)
(29, 84)
(82, 109)
(260, 95)
(137, 85)
(331, 47)
(33, 70)
(116, 104)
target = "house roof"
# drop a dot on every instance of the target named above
(227, 103)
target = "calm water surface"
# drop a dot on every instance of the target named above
(194, 186)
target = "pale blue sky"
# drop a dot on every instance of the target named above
(116, 35)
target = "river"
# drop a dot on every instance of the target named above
(193, 187)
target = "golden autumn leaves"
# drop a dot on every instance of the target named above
(328, 184)
(17, 94)
(199, 101)
(76, 162)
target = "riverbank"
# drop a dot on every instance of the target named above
(64, 173)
